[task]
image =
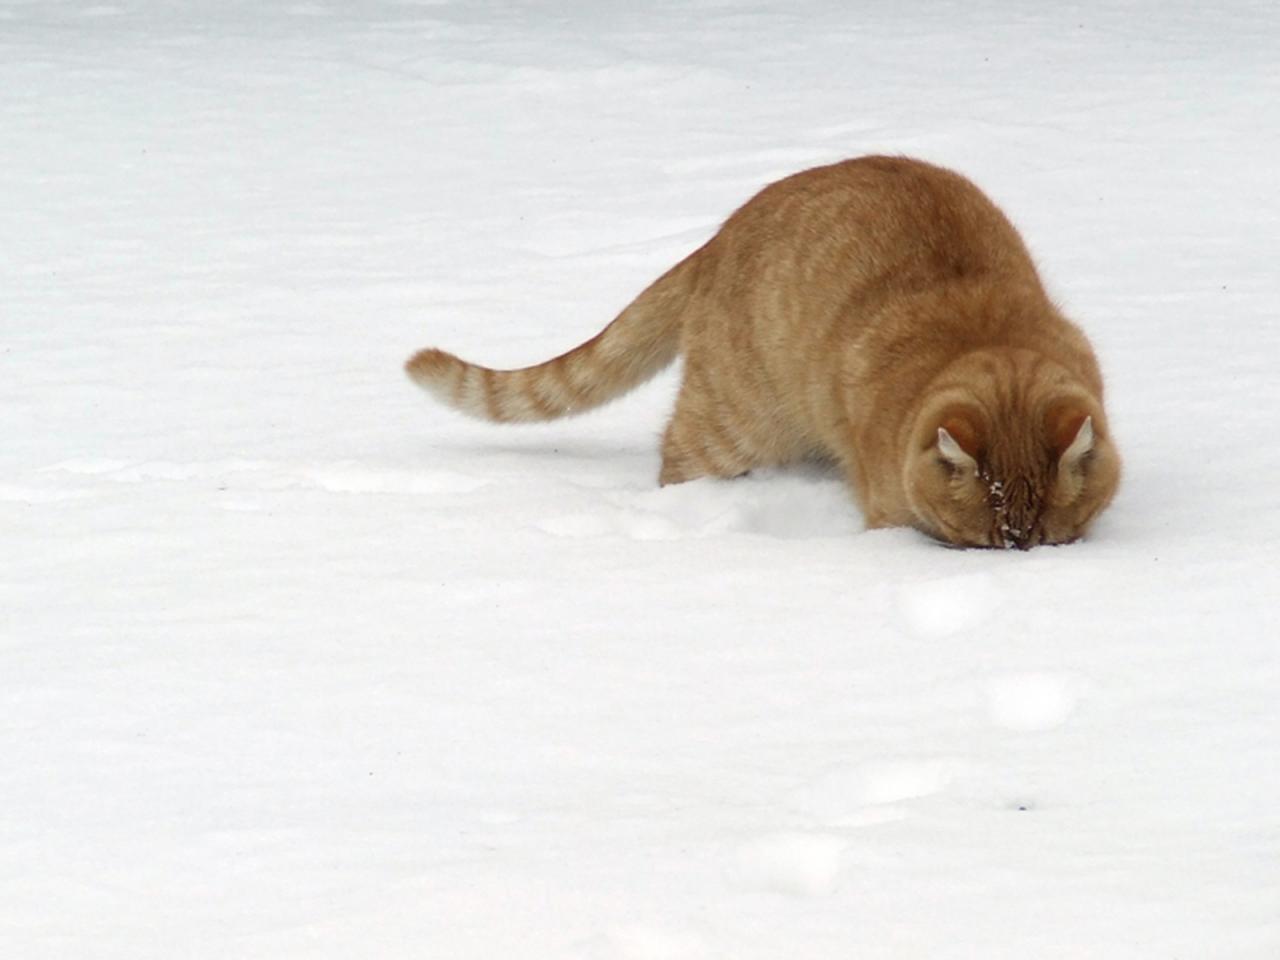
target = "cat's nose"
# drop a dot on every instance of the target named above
(1017, 540)
(1032, 538)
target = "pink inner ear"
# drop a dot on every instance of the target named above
(964, 432)
(1064, 424)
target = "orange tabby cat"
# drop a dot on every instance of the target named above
(880, 313)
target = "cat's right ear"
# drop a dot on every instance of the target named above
(958, 440)
(953, 452)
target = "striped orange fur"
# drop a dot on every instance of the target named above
(879, 313)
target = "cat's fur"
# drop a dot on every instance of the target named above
(880, 313)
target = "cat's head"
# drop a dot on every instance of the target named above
(979, 476)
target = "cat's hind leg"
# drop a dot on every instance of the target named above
(696, 444)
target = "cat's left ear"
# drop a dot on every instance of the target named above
(1072, 436)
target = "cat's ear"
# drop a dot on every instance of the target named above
(1082, 443)
(1071, 433)
(958, 442)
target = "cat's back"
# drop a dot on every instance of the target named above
(872, 219)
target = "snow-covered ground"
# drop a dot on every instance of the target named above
(294, 663)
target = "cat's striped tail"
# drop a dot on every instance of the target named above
(643, 339)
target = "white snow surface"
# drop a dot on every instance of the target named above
(294, 663)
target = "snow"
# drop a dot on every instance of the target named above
(294, 663)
